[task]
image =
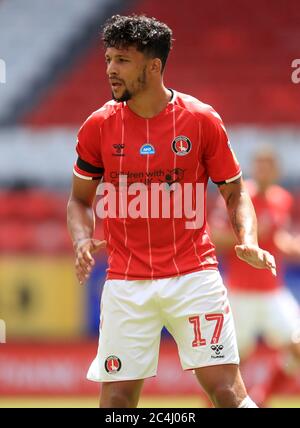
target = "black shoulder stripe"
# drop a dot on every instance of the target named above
(87, 167)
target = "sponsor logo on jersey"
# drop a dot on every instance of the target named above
(112, 364)
(217, 350)
(181, 145)
(173, 177)
(147, 149)
(118, 149)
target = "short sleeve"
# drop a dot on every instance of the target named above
(89, 165)
(220, 161)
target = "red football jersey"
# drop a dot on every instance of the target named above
(184, 143)
(273, 211)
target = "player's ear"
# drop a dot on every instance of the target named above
(156, 66)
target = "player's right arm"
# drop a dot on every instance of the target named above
(81, 225)
(88, 171)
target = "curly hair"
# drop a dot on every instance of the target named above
(148, 35)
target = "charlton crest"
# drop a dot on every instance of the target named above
(113, 364)
(181, 145)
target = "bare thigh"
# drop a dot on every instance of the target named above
(223, 383)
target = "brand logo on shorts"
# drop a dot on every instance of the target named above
(112, 364)
(217, 349)
(181, 145)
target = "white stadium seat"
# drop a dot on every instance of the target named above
(33, 34)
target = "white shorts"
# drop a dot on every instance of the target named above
(273, 315)
(193, 307)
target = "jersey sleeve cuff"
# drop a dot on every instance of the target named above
(228, 180)
(86, 171)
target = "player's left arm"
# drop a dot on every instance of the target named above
(288, 244)
(244, 223)
(286, 239)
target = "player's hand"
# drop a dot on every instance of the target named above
(256, 257)
(84, 260)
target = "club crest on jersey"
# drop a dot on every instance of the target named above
(181, 145)
(147, 149)
(112, 364)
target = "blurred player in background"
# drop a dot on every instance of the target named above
(159, 271)
(261, 305)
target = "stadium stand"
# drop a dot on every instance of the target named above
(237, 58)
(232, 63)
(34, 36)
(33, 220)
(229, 59)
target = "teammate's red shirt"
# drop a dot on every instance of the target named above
(114, 140)
(273, 211)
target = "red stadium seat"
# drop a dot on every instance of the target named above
(236, 58)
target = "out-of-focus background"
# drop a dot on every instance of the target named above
(236, 56)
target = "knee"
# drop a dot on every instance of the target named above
(116, 399)
(123, 394)
(116, 395)
(225, 396)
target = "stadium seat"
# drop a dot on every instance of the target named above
(228, 59)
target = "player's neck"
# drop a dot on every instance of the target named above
(262, 189)
(151, 102)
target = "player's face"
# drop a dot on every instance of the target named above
(127, 72)
(265, 170)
